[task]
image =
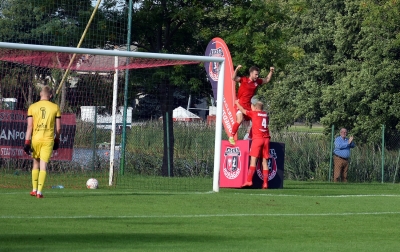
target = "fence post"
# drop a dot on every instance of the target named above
(383, 150)
(94, 143)
(331, 154)
(126, 88)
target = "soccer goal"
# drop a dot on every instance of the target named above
(117, 106)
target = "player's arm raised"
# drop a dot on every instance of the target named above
(269, 76)
(240, 107)
(234, 76)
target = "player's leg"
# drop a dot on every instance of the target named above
(248, 123)
(265, 173)
(250, 173)
(42, 178)
(45, 154)
(35, 146)
(235, 127)
(265, 156)
(255, 152)
(35, 176)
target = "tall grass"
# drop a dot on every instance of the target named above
(307, 155)
(193, 149)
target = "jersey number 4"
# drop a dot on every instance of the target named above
(264, 123)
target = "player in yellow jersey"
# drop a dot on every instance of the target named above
(42, 137)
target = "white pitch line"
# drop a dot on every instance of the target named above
(323, 196)
(196, 216)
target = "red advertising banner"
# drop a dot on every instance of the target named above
(217, 48)
(235, 165)
(12, 135)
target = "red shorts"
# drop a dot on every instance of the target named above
(245, 117)
(260, 148)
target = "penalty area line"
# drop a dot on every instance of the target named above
(197, 216)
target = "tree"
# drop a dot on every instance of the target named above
(367, 91)
(186, 27)
(57, 23)
(303, 80)
(43, 23)
(345, 67)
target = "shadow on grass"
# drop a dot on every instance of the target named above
(114, 242)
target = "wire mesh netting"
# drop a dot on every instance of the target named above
(87, 100)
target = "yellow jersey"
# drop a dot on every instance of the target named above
(44, 114)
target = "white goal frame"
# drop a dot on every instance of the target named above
(220, 89)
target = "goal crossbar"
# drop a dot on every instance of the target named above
(147, 55)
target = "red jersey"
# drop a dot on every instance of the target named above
(247, 90)
(259, 121)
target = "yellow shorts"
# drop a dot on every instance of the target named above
(42, 150)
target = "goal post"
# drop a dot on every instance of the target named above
(161, 58)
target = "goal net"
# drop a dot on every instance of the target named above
(129, 119)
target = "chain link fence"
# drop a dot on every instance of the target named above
(309, 156)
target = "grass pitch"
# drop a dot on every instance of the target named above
(304, 216)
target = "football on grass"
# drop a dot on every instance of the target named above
(92, 183)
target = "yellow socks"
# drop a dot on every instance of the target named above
(35, 176)
(42, 178)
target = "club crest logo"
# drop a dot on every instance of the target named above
(232, 165)
(213, 68)
(272, 167)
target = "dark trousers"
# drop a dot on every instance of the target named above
(341, 166)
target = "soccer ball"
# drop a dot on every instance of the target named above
(92, 183)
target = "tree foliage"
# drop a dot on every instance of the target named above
(49, 22)
(344, 70)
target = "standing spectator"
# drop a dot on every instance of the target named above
(260, 141)
(44, 119)
(247, 89)
(342, 155)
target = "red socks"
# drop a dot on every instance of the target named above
(235, 128)
(265, 176)
(252, 169)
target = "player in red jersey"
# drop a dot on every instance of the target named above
(260, 141)
(247, 89)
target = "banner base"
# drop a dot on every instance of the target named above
(235, 165)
